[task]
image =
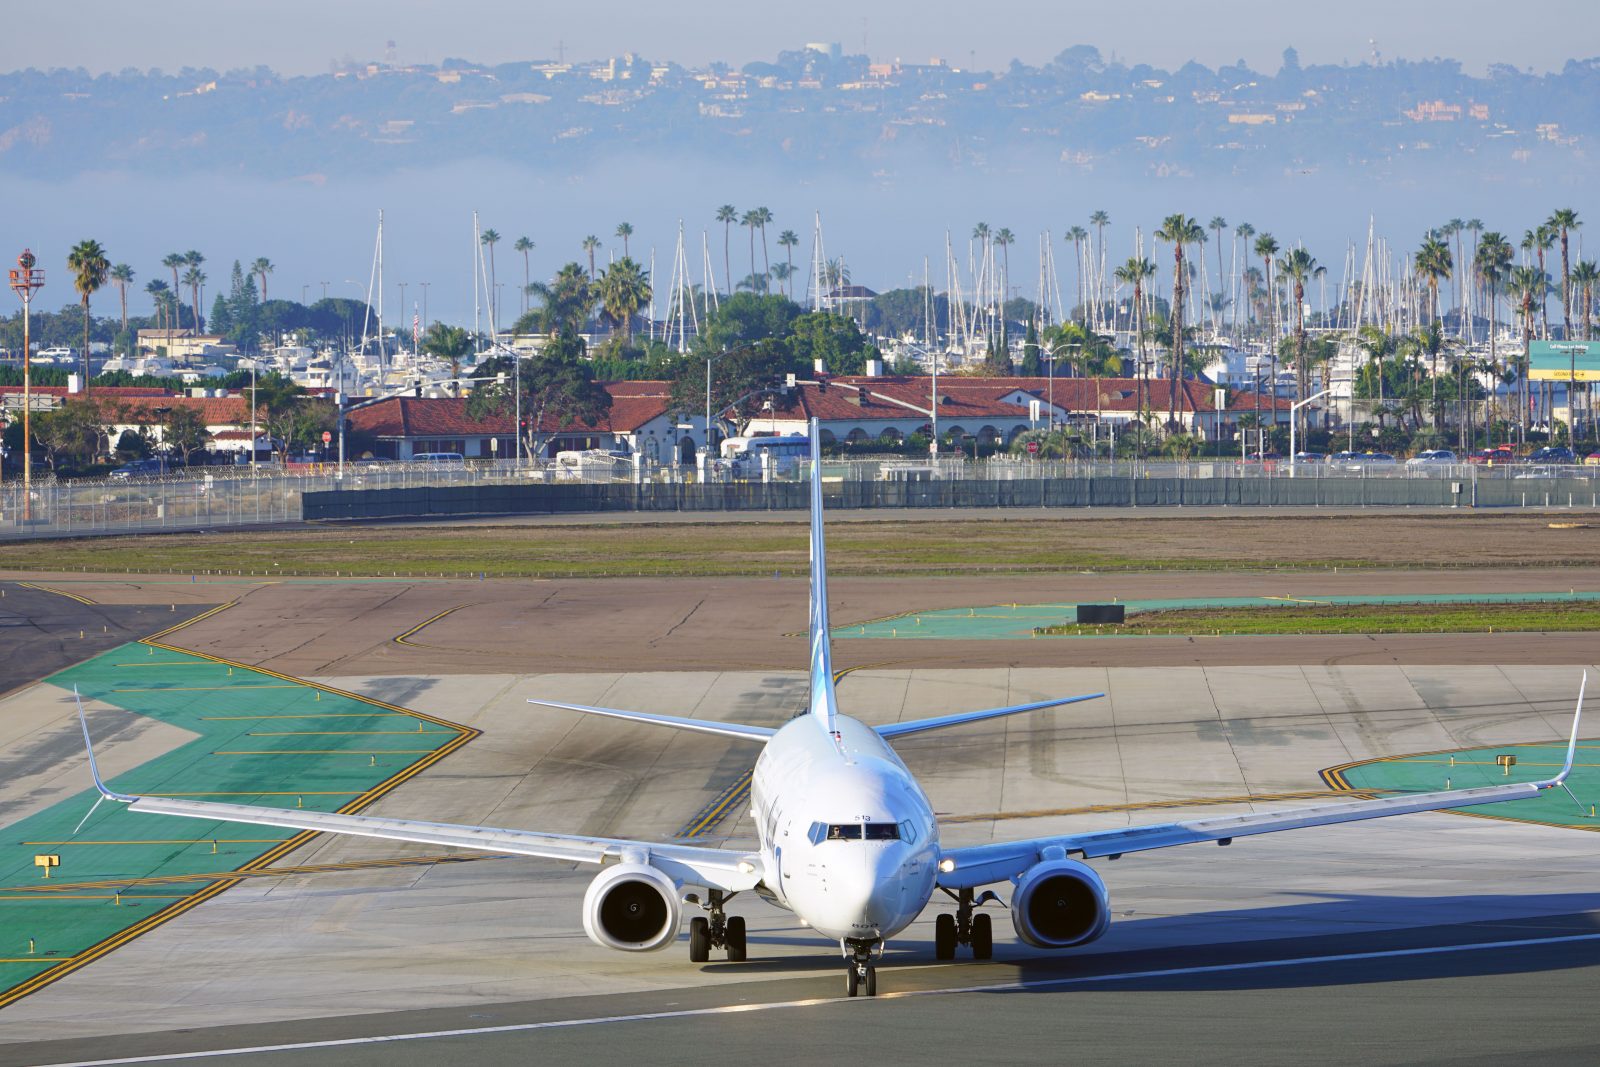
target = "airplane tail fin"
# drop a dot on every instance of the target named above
(824, 707)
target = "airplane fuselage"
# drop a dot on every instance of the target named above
(849, 838)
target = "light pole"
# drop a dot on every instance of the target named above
(1293, 426)
(1050, 353)
(26, 279)
(709, 360)
(253, 471)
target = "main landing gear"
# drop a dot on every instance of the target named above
(861, 977)
(717, 929)
(964, 927)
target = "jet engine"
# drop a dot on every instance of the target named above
(1060, 903)
(632, 907)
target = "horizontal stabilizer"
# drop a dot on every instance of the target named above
(917, 726)
(700, 726)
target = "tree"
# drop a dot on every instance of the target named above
(727, 214)
(1076, 235)
(1243, 232)
(786, 241)
(1031, 363)
(624, 231)
(183, 430)
(624, 289)
(1298, 268)
(1493, 261)
(1178, 230)
(1584, 278)
(750, 220)
(1563, 221)
(1266, 247)
(1524, 286)
(1433, 262)
(75, 431)
(746, 318)
(89, 266)
(1428, 342)
(122, 274)
(173, 261)
(490, 238)
(525, 245)
(590, 244)
(194, 277)
(259, 270)
(566, 302)
(1135, 272)
(1217, 225)
(453, 344)
(741, 376)
(1538, 241)
(161, 296)
(834, 339)
(558, 387)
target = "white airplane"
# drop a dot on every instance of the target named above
(847, 838)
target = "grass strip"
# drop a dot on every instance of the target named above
(1540, 617)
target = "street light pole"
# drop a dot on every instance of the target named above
(26, 279)
(252, 417)
(1293, 426)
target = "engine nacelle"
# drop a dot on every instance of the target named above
(1060, 903)
(632, 907)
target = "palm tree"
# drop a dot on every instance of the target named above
(1004, 239)
(786, 241)
(1100, 220)
(161, 296)
(122, 274)
(1135, 272)
(1297, 268)
(1178, 230)
(490, 238)
(727, 214)
(1524, 286)
(524, 245)
(193, 261)
(763, 216)
(1076, 235)
(89, 266)
(624, 288)
(1427, 342)
(1585, 276)
(1493, 262)
(624, 231)
(750, 220)
(1564, 221)
(1538, 240)
(783, 273)
(194, 278)
(260, 269)
(450, 343)
(1217, 225)
(1449, 230)
(1432, 263)
(1379, 345)
(590, 244)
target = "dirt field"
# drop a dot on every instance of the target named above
(315, 628)
(870, 543)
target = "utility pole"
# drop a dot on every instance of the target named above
(26, 279)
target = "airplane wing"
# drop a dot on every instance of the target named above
(964, 868)
(713, 868)
(916, 726)
(701, 726)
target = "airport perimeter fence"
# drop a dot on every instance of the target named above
(228, 497)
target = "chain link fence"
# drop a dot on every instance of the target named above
(210, 498)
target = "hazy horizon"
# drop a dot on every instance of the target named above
(304, 37)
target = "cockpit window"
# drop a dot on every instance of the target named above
(853, 831)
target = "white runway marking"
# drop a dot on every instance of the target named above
(735, 1009)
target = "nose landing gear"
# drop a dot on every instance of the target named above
(861, 977)
(964, 927)
(716, 929)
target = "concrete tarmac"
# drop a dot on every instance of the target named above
(1421, 939)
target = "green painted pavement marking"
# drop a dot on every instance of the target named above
(1008, 621)
(1428, 771)
(226, 708)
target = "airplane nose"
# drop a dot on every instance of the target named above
(868, 892)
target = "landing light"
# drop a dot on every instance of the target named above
(947, 865)
(746, 867)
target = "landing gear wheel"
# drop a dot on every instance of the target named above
(852, 982)
(982, 937)
(872, 981)
(699, 939)
(734, 936)
(944, 936)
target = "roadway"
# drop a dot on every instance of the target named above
(1428, 939)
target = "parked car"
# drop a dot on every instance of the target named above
(1556, 454)
(1309, 457)
(141, 468)
(1432, 457)
(1592, 459)
(1355, 461)
(1500, 454)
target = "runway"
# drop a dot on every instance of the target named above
(1425, 939)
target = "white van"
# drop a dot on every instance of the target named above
(787, 455)
(445, 460)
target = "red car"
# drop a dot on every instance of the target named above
(1491, 456)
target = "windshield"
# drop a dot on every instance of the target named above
(854, 831)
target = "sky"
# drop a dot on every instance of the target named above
(306, 36)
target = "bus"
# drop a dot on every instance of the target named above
(787, 455)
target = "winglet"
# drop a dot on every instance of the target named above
(94, 768)
(1572, 744)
